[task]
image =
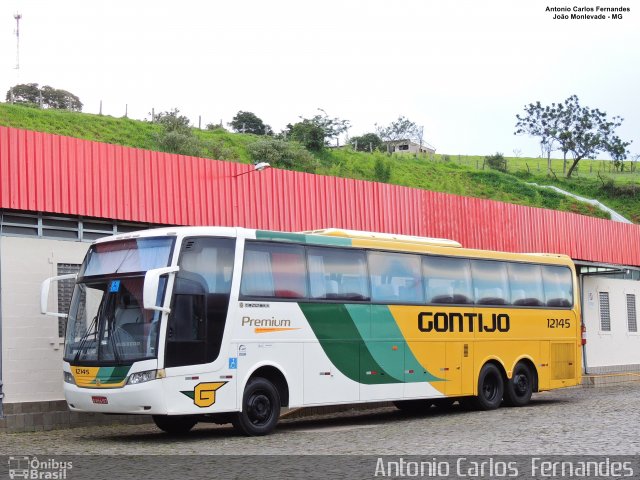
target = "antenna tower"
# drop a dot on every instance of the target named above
(17, 16)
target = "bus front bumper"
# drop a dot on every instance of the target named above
(142, 399)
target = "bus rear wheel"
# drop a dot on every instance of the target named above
(518, 390)
(175, 424)
(490, 388)
(260, 408)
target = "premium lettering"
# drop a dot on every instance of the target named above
(265, 322)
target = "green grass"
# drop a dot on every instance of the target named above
(461, 175)
(449, 177)
(119, 131)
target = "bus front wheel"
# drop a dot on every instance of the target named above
(490, 388)
(260, 408)
(518, 390)
(175, 424)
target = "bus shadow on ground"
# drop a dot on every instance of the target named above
(343, 420)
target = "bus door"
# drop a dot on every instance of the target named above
(543, 366)
(197, 319)
(382, 358)
(331, 365)
(459, 368)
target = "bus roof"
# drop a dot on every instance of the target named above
(350, 238)
(390, 237)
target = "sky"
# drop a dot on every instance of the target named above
(462, 69)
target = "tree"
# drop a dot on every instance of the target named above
(60, 99)
(332, 127)
(308, 134)
(366, 143)
(581, 131)
(24, 93)
(247, 122)
(400, 129)
(46, 97)
(316, 132)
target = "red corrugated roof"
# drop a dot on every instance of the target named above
(50, 173)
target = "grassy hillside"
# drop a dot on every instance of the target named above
(462, 175)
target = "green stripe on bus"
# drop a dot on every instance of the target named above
(303, 238)
(341, 340)
(109, 375)
(389, 348)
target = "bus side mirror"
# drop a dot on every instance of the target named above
(150, 291)
(44, 294)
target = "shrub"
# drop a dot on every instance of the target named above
(496, 162)
(382, 171)
(216, 127)
(283, 154)
(366, 142)
(216, 148)
(178, 142)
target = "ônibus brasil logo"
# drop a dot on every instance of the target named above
(34, 468)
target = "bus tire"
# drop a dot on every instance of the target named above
(490, 388)
(175, 424)
(413, 406)
(518, 390)
(260, 408)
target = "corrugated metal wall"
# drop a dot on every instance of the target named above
(49, 173)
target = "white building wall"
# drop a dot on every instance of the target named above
(616, 350)
(31, 348)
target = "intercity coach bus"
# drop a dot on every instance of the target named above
(217, 324)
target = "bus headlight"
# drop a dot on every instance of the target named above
(68, 378)
(146, 376)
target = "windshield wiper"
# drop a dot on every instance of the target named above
(124, 260)
(85, 337)
(112, 340)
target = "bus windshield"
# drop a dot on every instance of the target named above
(107, 323)
(126, 256)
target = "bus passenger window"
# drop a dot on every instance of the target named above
(490, 282)
(337, 274)
(273, 270)
(558, 287)
(526, 285)
(447, 280)
(395, 278)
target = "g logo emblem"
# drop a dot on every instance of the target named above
(205, 393)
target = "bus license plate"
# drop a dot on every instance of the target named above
(100, 400)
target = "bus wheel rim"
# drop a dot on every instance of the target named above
(490, 388)
(259, 408)
(521, 384)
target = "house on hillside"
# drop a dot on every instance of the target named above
(408, 146)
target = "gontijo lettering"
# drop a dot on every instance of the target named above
(457, 322)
